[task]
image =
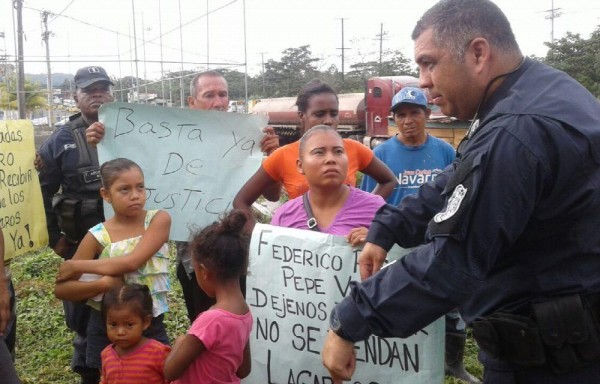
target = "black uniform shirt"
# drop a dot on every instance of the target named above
(517, 219)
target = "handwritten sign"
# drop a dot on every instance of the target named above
(295, 279)
(194, 162)
(22, 216)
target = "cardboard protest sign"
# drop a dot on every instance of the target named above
(194, 162)
(22, 217)
(295, 279)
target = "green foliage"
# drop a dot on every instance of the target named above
(578, 57)
(44, 349)
(282, 77)
(43, 341)
(287, 76)
(393, 63)
(35, 98)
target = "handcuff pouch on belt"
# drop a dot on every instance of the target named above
(563, 334)
(510, 338)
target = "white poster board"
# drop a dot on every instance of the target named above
(295, 279)
(194, 162)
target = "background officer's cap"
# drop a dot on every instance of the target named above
(87, 76)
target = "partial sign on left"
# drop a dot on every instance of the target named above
(22, 217)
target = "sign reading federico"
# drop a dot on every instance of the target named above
(22, 216)
(194, 162)
(295, 279)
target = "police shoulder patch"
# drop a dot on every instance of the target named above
(453, 204)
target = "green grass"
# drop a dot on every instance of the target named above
(44, 348)
(43, 352)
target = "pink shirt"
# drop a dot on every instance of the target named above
(358, 211)
(225, 336)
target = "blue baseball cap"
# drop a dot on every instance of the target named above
(409, 95)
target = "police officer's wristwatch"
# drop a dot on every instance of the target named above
(336, 326)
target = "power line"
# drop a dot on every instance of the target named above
(61, 12)
(150, 41)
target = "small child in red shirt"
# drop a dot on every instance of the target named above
(132, 357)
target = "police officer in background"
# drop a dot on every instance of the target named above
(70, 181)
(511, 227)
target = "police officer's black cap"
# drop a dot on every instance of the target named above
(87, 76)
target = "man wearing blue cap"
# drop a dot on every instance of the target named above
(70, 165)
(416, 158)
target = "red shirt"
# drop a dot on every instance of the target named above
(142, 366)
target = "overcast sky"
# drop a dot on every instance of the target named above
(86, 32)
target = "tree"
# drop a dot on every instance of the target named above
(578, 57)
(35, 98)
(237, 83)
(393, 63)
(286, 77)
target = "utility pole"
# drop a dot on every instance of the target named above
(343, 49)
(5, 59)
(162, 72)
(120, 72)
(144, 54)
(18, 4)
(131, 89)
(262, 61)
(46, 38)
(137, 76)
(553, 14)
(181, 94)
(207, 39)
(381, 37)
(245, 60)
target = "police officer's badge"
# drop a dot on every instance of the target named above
(453, 204)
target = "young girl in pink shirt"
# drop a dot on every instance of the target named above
(215, 348)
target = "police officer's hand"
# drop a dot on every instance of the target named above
(270, 141)
(339, 357)
(62, 247)
(370, 260)
(38, 163)
(357, 236)
(94, 133)
(4, 304)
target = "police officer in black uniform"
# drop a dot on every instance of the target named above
(511, 227)
(70, 181)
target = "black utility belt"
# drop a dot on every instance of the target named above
(562, 333)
